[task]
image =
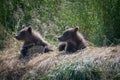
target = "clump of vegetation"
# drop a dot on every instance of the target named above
(85, 70)
(76, 71)
(90, 68)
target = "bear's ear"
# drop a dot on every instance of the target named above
(23, 26)
(67, 28)
(76, 29)
(29, 29)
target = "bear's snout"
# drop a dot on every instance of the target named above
(59, 38)
(17, 37)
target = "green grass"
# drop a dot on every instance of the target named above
(76, 71)
(98, 20)
(85, 70)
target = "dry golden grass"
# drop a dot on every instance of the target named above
(15, 68)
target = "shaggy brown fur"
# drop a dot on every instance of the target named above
(72, 40)
(31, 38)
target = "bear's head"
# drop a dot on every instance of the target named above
(24, 34)
(68, 34)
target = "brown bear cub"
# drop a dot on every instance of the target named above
(72, 40)
(31, 38)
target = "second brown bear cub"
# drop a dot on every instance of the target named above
(31, 38)
(72, 40)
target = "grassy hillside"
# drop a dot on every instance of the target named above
(91, 63)
(98, 21)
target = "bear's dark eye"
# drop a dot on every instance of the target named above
(66, 34)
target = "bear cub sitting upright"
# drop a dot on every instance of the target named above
(72, 40)
(31, 38)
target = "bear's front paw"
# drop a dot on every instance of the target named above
(24, 52)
